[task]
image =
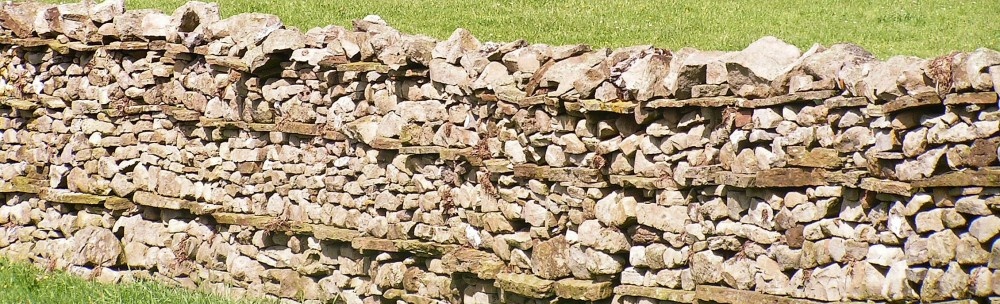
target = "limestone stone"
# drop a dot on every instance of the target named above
(970, 251)
(896, 286)
(706, 267)
(614, 210)
(549, 259)
(984, 228)
(592, 234)
(827, 284)
(923, 166)
(739, 273)
(96, 246)
(941, 247)
(865, 282)
(760, 63)
(929, 221)
(972, 205)
(670, 219)
(600, 263)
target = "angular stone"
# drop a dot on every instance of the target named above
(602, 238)
(670, 219)
(896, 286)
(972, 205)
(706, 267)
(761, 62)
(923, 166)
(283, 41)
(19, 17)
(614, 210)
(739, 273)
(96, 246)
(484, 265)
(550, 259)
(941, 247)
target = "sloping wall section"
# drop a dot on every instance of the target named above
(364, 165)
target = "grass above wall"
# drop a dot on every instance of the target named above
(925, 28)
(23, 283)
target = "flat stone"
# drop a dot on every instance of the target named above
(908, 102)
(837, 102)
(813, 158)
(971, 98)
(583, 290)
(484, 265)
(663, 294)
(593, 105)
(524, 284)
(785, 99)
(587, 175)
(887, 186)
(789, 177)
(726, 295)
(704, 102)
(639, 182)
(984, 177)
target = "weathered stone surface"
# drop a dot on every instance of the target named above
(370, 165)
(759, 64)
(706, 267)
(525, 285)
(941, 247)
(19, 17)
(484, 265)
(602, 238)
(583, 290)
(670, 219)
(815, 158)
(95, 246)
(550, 259)
(984, 228)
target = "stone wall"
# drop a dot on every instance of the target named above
(364, 165)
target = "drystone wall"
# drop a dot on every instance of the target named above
(364, 165)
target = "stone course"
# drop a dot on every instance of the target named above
(365, 165)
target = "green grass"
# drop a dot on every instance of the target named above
(925, 28)
(22, 283)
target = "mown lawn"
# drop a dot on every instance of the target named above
(925, 28)
(22, 283)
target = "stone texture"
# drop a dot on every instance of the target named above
(365, 165)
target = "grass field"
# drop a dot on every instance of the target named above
(925, 28)
(21, 283)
